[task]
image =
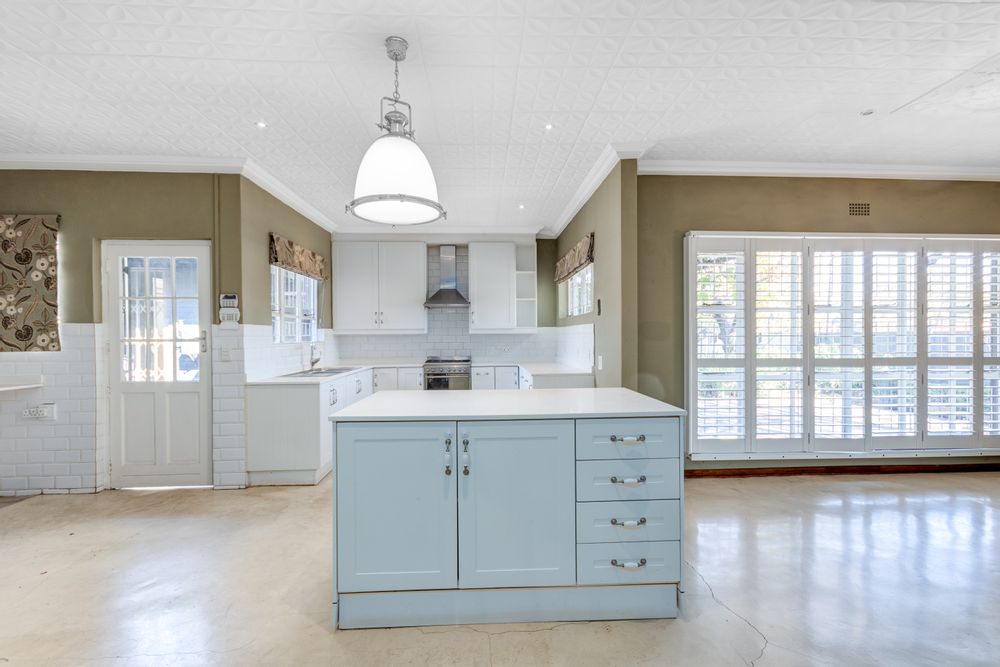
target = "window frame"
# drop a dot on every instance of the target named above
(279, 318)
(923, 442)
(566, 293)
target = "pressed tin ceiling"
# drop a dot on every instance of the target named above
(696, 85)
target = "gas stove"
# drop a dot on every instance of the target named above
(447, 373)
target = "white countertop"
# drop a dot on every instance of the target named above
(536, 368)
(504, 404)
(405, 362)
(549, 368)
(306, 379)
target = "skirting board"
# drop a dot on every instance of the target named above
(843, 470)
(506, 605)
(288, 477)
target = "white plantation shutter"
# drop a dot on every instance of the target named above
(804, 346)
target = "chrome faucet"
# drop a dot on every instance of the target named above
(314, 356)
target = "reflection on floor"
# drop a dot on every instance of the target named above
(897, 569)
(7, 501)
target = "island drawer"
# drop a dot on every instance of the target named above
(628, 563)
(628, 521)
(648, 438)
(628, 479)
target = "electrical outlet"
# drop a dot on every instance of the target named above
(505, 349)
(42, 412)
(600, 362)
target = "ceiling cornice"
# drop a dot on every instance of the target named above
(609, 157)
(175, 165)
(816, 170)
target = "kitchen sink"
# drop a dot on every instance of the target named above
(323, 372)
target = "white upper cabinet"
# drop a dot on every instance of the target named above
(379, 287)
(492, 286)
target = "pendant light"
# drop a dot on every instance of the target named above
(395, 184)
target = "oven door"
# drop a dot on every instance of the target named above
(446, 381)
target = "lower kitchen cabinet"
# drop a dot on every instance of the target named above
(396, 507)
(386, 379)
(516, 510)
(410, 378)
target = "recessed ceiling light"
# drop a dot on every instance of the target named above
(548, 126)
(521, 206)
(868, 112)
(261, 124)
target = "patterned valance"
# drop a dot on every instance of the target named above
(29, 316)
(578, 258)
(292, 256)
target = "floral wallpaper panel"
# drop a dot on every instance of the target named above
(28, 312)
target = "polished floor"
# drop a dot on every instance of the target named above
(867, 570)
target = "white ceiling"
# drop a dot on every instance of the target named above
(707, 83)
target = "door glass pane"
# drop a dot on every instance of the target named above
(838, 284)
(949, 400)
(161, 361)
(779, 305)
(186, 276)
(134, 362)
(991, 400)
(188, 362)
(161, 282)
(840, 402)
(949, 304)
(894, 304)
(720, 307)
(894, 401)
(133, 276)
(161, 320)
(134, 318)
(186, 319)
(721, 403)
(779, 403)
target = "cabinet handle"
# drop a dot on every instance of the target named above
(628, 480)
(628, 439)
(333, 397)
(466, 459)
(629, 565)
(376, 318)
(357, 383)
(629, 523)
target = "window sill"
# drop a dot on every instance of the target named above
(811, 456)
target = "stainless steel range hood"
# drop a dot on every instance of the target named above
(447, 295)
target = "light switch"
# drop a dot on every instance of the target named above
(600, 362)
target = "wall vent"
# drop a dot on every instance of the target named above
(859, 208)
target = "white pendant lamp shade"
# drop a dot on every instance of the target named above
(395, 184)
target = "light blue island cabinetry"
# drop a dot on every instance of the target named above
(502, 506)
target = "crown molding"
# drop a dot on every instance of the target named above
(606, 161)
(174, 165)
(816, 170)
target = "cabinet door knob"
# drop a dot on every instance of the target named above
(629, 565)
(628, 480)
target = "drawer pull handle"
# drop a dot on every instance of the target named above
(629, 523)
(629, 439)
(629, 565)
(628, 480)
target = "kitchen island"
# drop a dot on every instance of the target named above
(506, 506)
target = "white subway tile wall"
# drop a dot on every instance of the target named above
(51, 456)
(575, 346)
(229, 451)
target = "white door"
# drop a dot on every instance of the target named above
(396, 506)
(516, 504)
(402, 286)
(355, 286)
(157, 315)
(492, 286)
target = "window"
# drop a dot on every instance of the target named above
(293, 306)
(813, 345)
(580, 292)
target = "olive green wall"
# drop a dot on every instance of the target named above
(226, 209)
(546, 255)
(610, 214)
(262, 214)
(118, 205)
(670, 206)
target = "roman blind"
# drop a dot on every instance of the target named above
(29, 311)
(299, 259)
(578, 258)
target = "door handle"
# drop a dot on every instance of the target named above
(629, 523)
(628, 480)
(204, 341)
(628, 439)
(629, 565)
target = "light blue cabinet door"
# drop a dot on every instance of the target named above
(397, 507)
(516, 508)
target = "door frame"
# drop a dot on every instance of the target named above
(108, 328)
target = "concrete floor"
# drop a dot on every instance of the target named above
(886, 570)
